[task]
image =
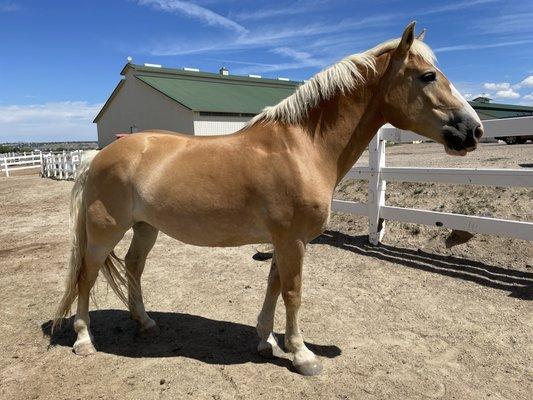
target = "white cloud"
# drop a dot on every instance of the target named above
(462, 47)
(298, 7)
(9, 6)
(458, 5)
(66, 120)
(301, 59)
(507, 91)
(194, 11)
(301, 7)
(277, 33)
(528, 96)
(507, 94)
(527, 82)
(292, 53)
(506, 23)
(269, 36)
(497, 86)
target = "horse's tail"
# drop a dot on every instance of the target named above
(78, 236)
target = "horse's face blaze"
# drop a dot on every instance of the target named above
(421, 99)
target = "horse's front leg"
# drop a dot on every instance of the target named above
(268, 346)
(289, 261)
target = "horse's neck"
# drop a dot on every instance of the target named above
(343, 127)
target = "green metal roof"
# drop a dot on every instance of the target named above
(229, 96)
(499, 110)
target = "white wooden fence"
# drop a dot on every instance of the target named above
(62, 165)
(377, 174)
(52, 165)
(18, 161)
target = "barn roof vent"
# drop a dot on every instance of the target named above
(254, 76)
(223, 71)
(152, 65)
(482, 98)
(191, 69)
(283, 79)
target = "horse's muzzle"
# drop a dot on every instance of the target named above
(460, 138)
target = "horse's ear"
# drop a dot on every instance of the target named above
(421, 35)
(407, 40)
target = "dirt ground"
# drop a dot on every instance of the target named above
(409, 319)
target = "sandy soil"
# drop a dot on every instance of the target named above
(406, 320)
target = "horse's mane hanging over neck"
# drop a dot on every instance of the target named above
(342, 77)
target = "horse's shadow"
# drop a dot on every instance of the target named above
(518, 283)
(182, 335)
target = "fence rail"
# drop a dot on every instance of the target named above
(18, 161)
(378, 174)
(461, 176)
(58, 165)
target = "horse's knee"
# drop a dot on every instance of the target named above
(292, 300)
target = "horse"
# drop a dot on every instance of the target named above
(270, 182)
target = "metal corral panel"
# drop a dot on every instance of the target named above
(217, 125)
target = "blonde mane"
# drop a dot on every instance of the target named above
(341, 77)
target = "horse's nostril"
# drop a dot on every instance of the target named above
(478, 132)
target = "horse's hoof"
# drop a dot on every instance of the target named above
(309, 368)
(150, 331)
(84, 349)
(267, 350)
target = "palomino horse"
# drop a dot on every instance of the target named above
(272, 181)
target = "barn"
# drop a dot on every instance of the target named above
(201, 103)
(185, 100)
(486, 109)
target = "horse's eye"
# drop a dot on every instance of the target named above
(428, 77)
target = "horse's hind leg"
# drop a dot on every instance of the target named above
(95, 257)
(268, 346)
(144, 237)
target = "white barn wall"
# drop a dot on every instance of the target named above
(217, 125)
(137, 104)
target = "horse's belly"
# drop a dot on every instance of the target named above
(217, 229)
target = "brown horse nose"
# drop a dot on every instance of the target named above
(478, 132)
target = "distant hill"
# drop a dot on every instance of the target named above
(46, 146)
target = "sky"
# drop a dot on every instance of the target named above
(60, 60)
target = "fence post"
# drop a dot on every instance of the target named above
(41, 160)
(62, 166)
(376, 188)
(5, 166)
(56, 161)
